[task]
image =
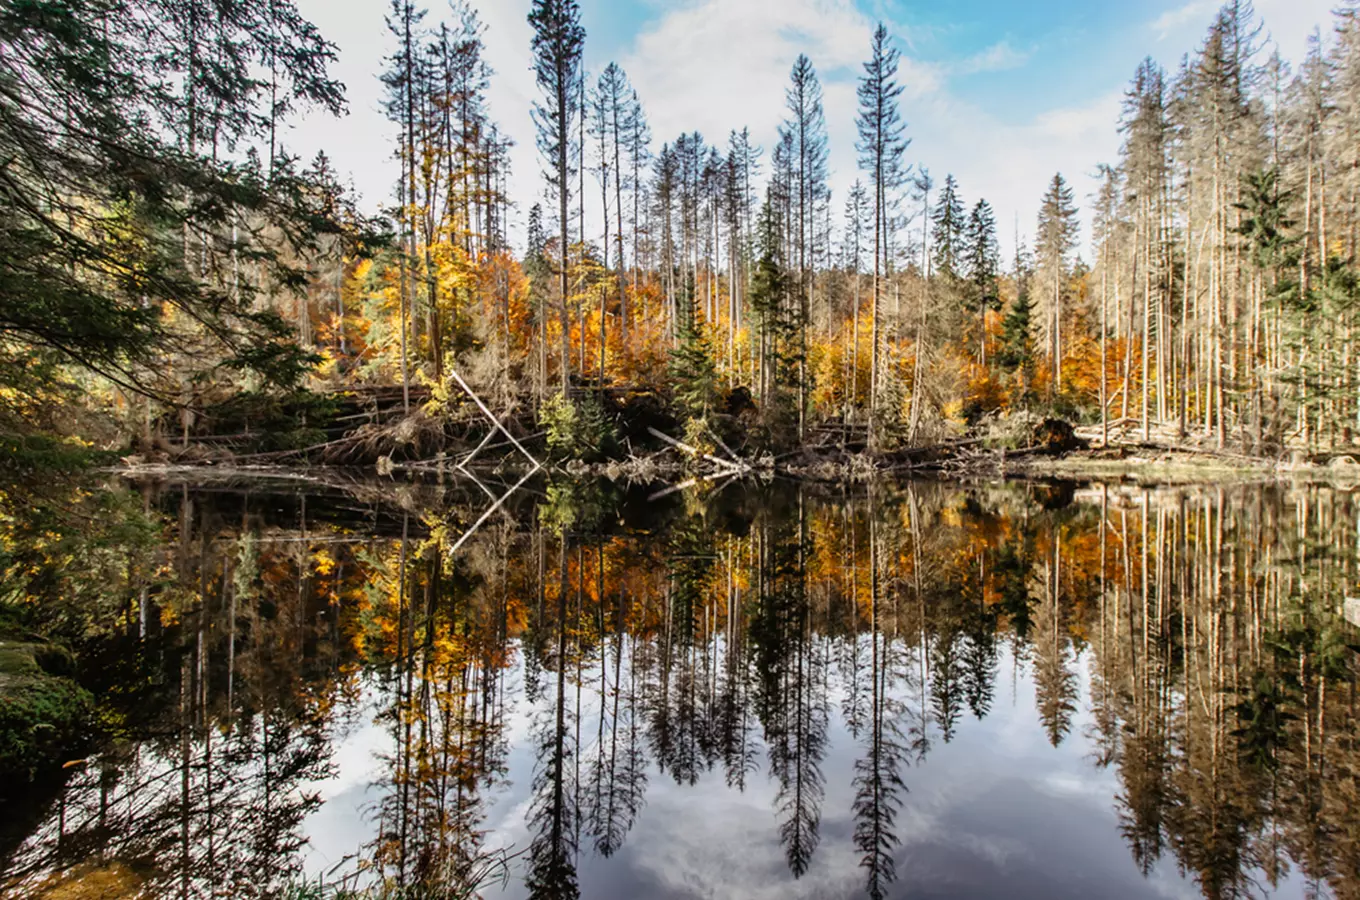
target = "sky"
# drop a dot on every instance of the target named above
(1001, 94)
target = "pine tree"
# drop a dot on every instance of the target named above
(856, 208)
(1266, 227)
(539, 270)
(401, 81)
(1017, 345)
(120, 237)
(948, 239)
(805, 130)
(558, 43)
(743, 160)
(614, 93)
(982, 255)
(1146, 178)
(1107, 228)
(694, 372)
(637, 140)
(1056, 239)
(769, 300)
(881, 145)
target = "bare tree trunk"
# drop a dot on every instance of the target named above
(873, 321)
(1104, 328)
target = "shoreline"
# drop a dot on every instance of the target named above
(1171, 467)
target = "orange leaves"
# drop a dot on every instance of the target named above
(504, 303)
(986, 391)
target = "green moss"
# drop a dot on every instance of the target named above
(17, 661)
(45, 718)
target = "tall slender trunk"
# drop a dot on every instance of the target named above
(873, 319)
(1147, 313)
(604, 289)
(1104, 329)
(402, 308)
(618, 228)
(410, 181)
(563, 201)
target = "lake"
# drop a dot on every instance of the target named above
(925, 690)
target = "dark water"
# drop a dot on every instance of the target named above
(926, 691)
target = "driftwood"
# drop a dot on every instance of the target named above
(699, 454)
(497, 427)
(726, 449)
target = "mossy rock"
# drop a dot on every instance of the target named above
(45, 717)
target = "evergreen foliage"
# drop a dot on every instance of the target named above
(982, 255)
(577, 429)
(949, 228)
(694, 373)
(1017, 346)
(126, 209)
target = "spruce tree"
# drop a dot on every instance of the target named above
(769, 300)
(694, 372)
(805, 129)
(557, 44)
(1057, 238)
(1017, 349)
(881, 145)
(947, 238)
(1016, 353)
(856, 208)
(982, 255)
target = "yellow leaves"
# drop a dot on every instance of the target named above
(329, 367)
(455, 272)
(322, 562)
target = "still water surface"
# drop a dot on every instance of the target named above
(936, 691)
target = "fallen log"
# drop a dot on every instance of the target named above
(696, 453)
(494, 421)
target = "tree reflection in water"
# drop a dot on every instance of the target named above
(729, 644)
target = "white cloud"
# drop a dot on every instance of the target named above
(358, 143)
(718, 65)
(512, 92)
(1172, 21)
(1000, 57)
(715, 65)
(362, 143)
(1288, 23)
(1010, 163)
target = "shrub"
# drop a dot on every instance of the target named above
(577, 430)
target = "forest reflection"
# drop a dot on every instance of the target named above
(1195, 635)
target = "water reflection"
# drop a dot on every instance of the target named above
(932, 690)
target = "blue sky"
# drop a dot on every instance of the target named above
(1001, 94)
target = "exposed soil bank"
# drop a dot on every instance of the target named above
(1132, 463)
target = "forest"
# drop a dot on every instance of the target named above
(278, 620)
(178, 287)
